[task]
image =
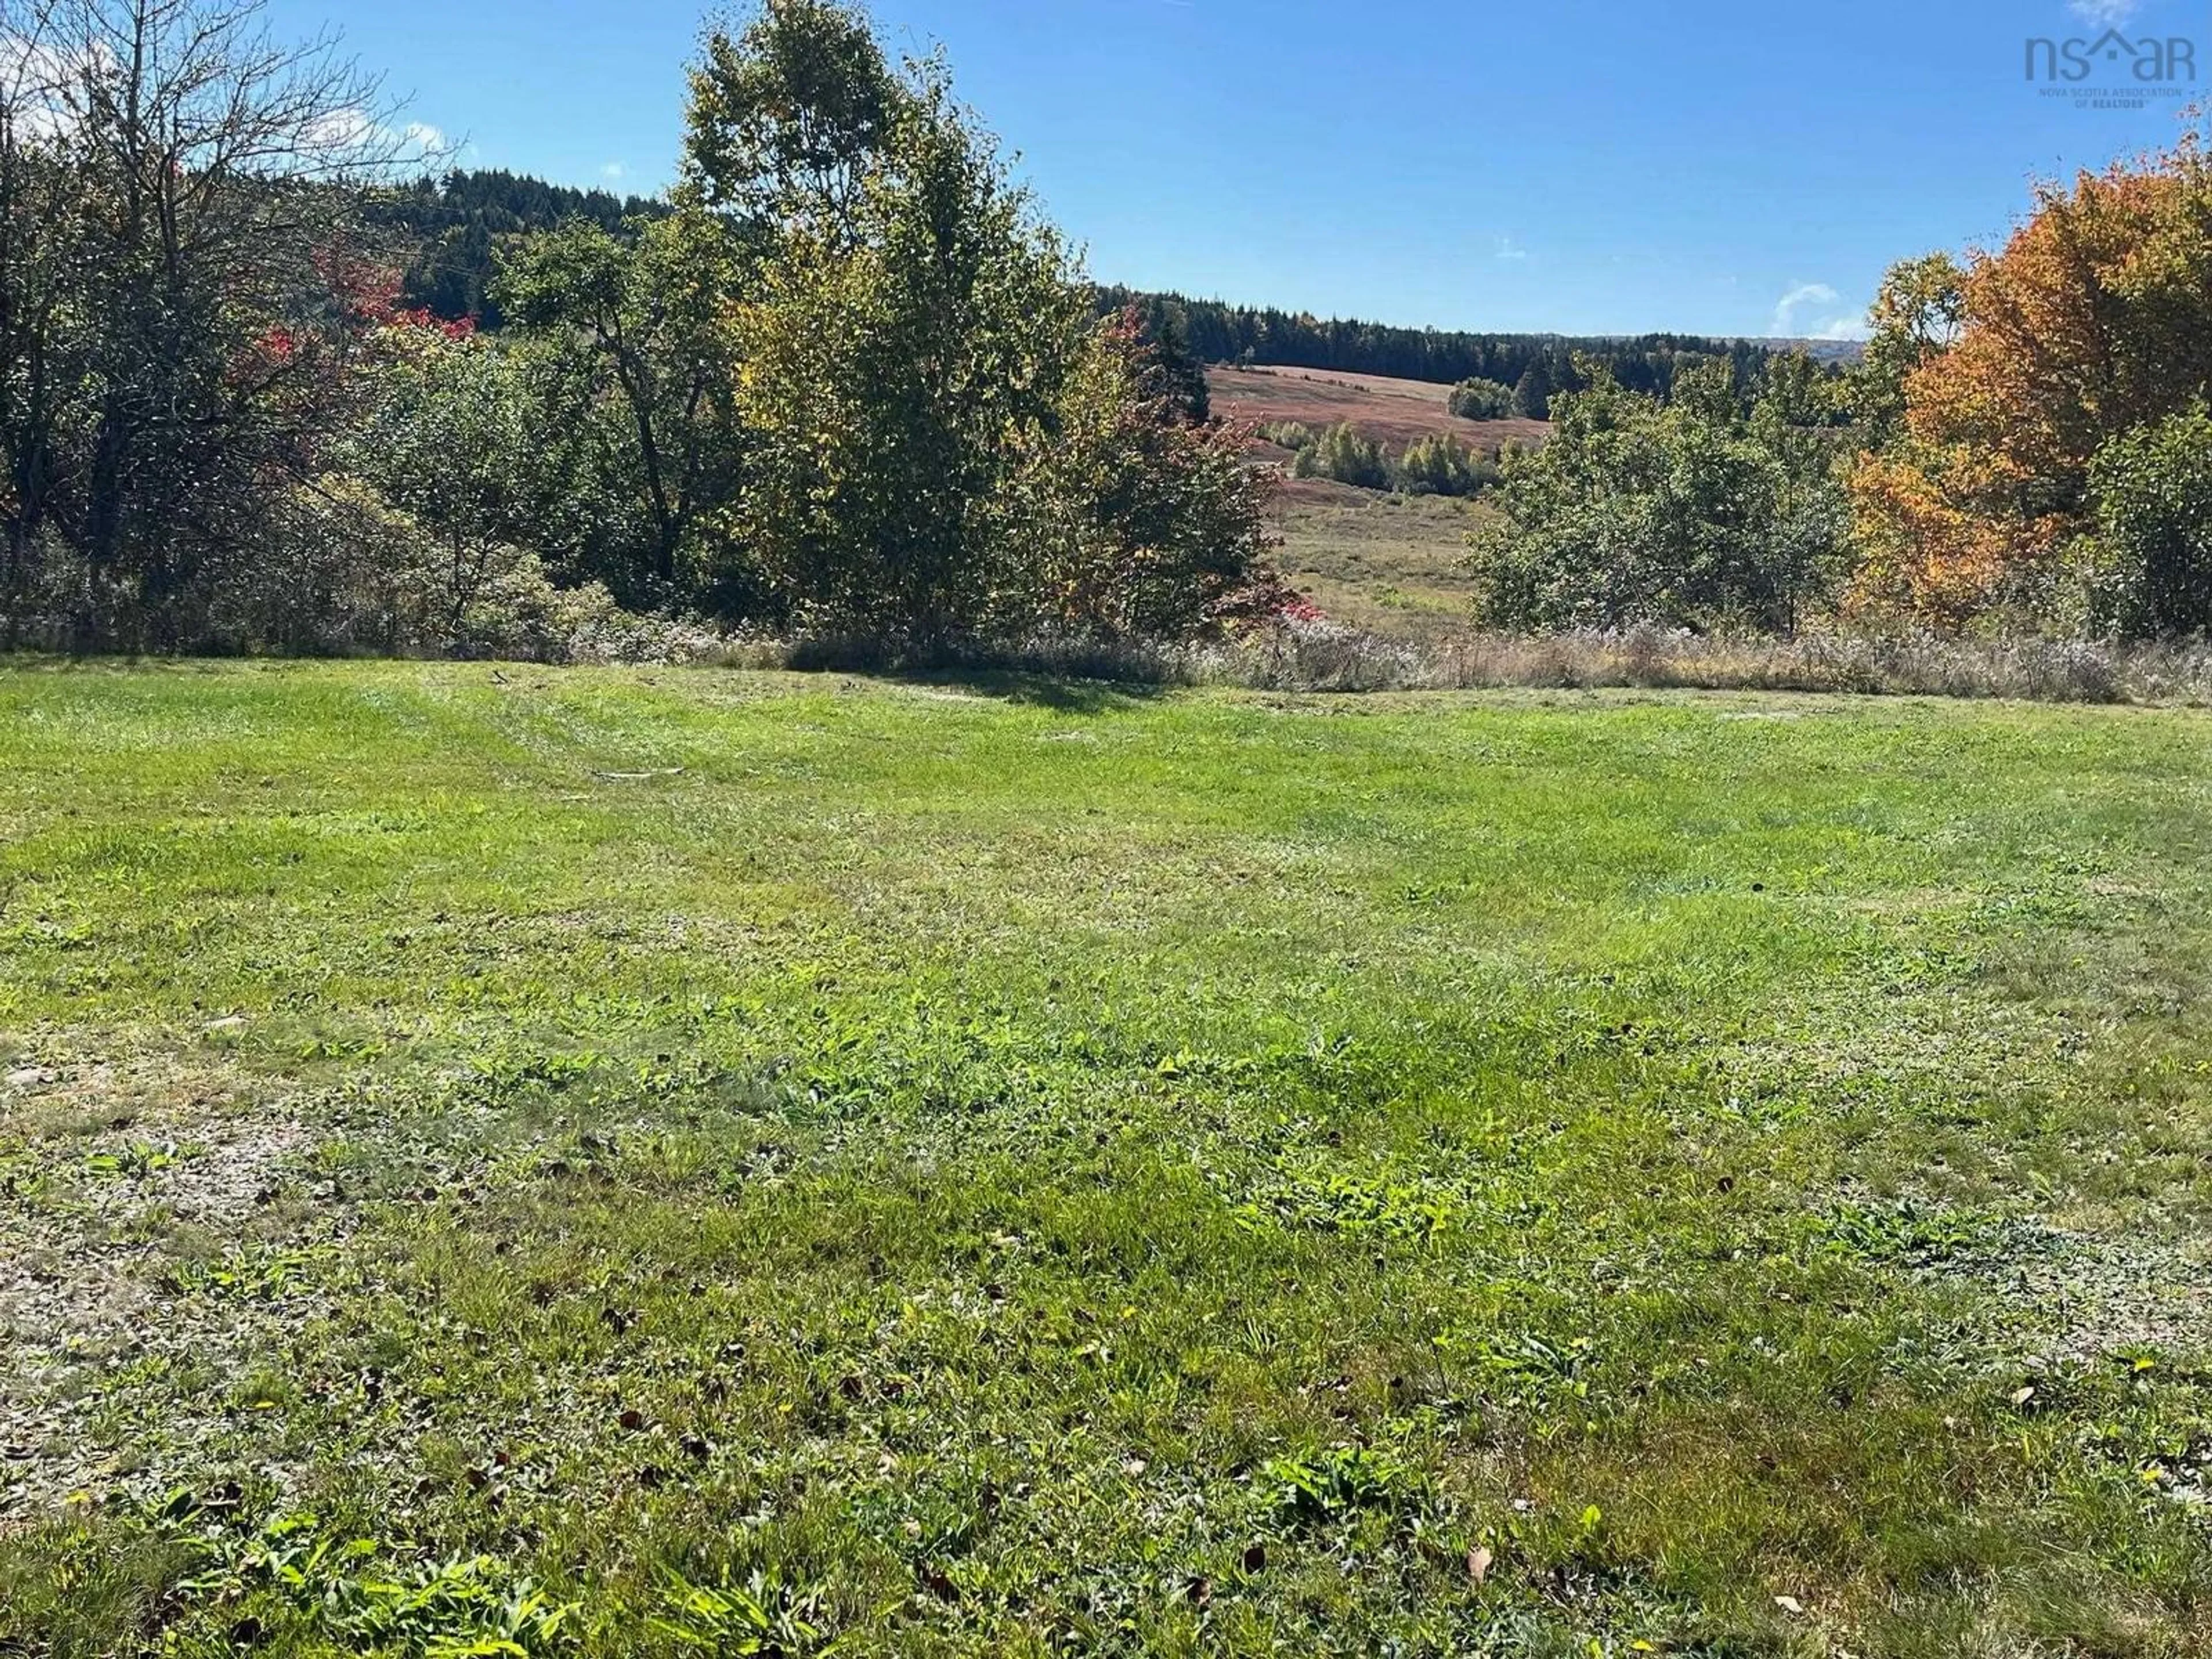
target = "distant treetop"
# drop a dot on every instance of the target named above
(458, 219)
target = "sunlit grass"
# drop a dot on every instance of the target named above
(653, 1163)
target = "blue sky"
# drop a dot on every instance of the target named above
(1584, 165)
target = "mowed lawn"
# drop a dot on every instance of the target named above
(690, 1162)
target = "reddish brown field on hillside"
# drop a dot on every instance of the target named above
(1393, 412)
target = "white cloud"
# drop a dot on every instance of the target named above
(1860, 327)
(1510, 250)
(2104, 14)
(612, 170)
(413, 145)
(344, 129)
(1805, 294)
(50, 88)
(1813, 311)
(45, 85)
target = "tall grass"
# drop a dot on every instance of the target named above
(1328, 657)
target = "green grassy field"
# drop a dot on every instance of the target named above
(499, 1161)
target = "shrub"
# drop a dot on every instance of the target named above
(339, 571)
(1687, 513)
(1129, 519)
(1442, 465)
(1346, 455)
(2151, 570)
(1481, 400)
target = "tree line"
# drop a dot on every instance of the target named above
(846, 379)
(458, 222)
(1534, 367)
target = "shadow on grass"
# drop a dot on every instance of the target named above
(1062, 693)
(1068, 692)
(1073, 676)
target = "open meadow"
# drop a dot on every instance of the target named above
(499, 1160)
(1393, 412)
(1390, 564)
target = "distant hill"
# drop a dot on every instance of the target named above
(1393, 412)
(460, 219)
(1820, 352)
(1535, 365)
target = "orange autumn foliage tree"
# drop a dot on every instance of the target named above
(2094, 320)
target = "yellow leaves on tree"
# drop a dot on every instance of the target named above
(2095, 318)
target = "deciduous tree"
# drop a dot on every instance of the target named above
(1140, 521)
(2152, 550)
(182, 281)
(642, 361)
(1690, 514)
(2092, 321)
(893, 361)
(450, 442)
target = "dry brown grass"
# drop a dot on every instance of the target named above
(1335, 657)
(1331, 657)
(1393, 412)
(1384, 564)
(1392, 566)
